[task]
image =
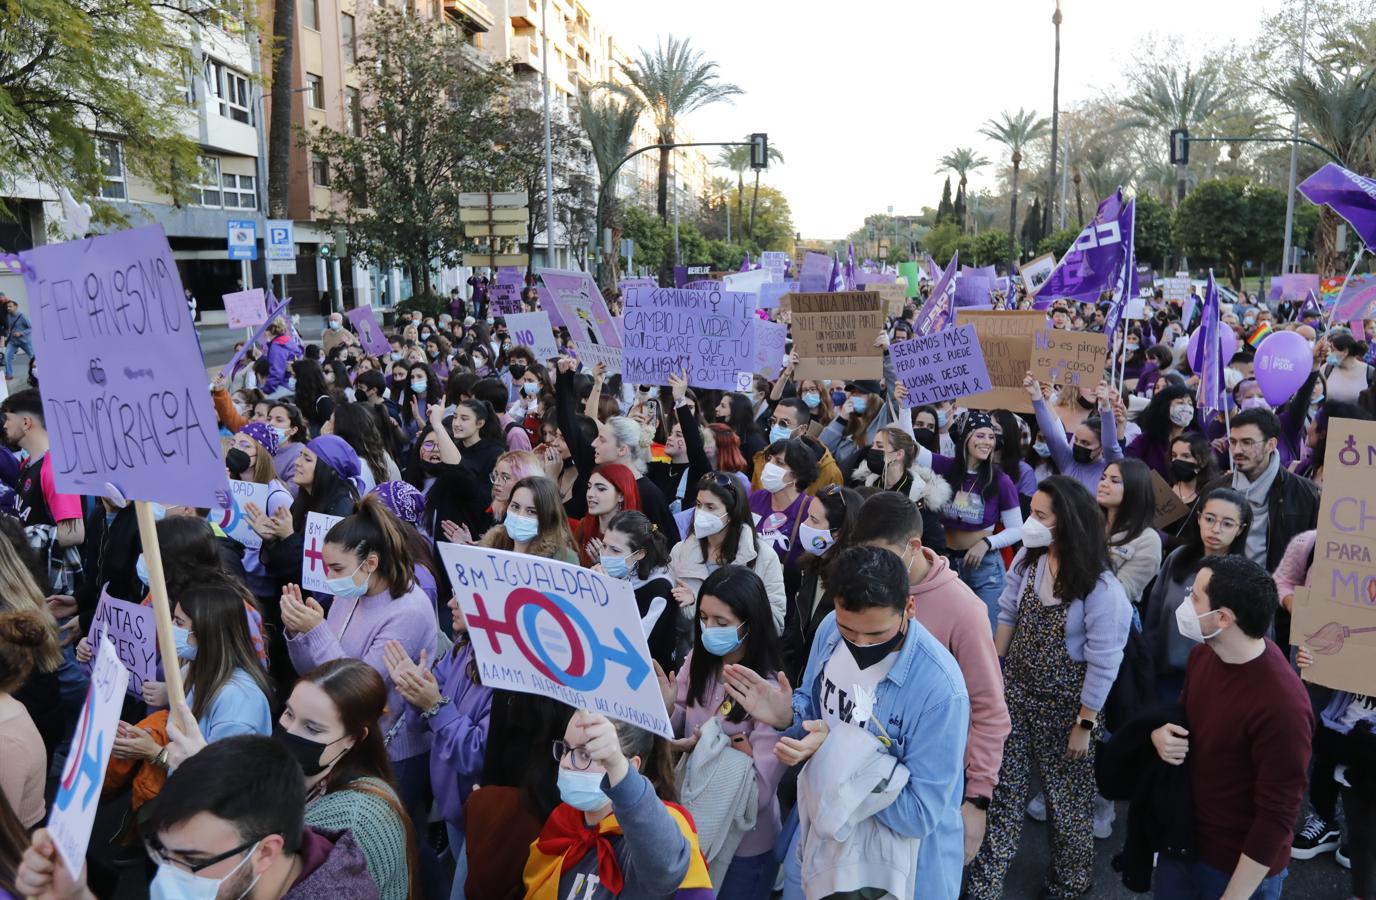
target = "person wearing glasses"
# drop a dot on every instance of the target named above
(617, 831)
(791, 419)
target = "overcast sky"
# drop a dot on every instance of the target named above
(864, 98)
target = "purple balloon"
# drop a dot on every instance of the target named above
(1283, 362)
(1229, 342)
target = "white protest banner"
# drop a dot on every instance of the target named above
(312, 561)
(245, 309)
(129, 628)
(1177, 288)
(770, 340)
(533, 330)
(749, 281)
(591, 354)
(709, 333)
(74, 808)
(558, 630)
(232, 515)
(941, 366)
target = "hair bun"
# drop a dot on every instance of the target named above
(23, 628)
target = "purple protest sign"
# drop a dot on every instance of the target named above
(244, 309)
(770, 340)
(1295, 286)
(1357, 300)
(702, 284)
(509, 275)
(978, 272)
(941, 366)
(257, 337)
(973, 290)
(369, 332)
(1349, 194)
(772, 291)
(711, 334)
(580, 306)
(125, 394)
(865, 278)
(505, 299)
(815, 276)
(626, 284)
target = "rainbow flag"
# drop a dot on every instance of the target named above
(1258, 335)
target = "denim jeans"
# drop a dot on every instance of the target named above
(459, 850)
(1180, 880)
(13, 344)
(985, 579)
(749, 878)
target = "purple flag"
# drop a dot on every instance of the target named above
(1094, 263)
(745, 263)
(834, 282)
(1207, 359)
(935, 314)
(850, 266)
(933, 270)
(1311, 306)
(1128, 279)
(1349, 194)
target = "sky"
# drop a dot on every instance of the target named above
(864, 98)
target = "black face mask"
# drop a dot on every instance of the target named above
(925, 437)
(1183, 470)
(237, 462)
(874, 460)
(1083, 455)
(874, 653)
(304, 750)
(1085, 404)
(518, 371)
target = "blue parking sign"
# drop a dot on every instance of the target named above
(243, 239)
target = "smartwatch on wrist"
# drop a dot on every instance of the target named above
(1086, 724)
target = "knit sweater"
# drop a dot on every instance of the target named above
(361, 629)
(1136, 562)
(376, 827)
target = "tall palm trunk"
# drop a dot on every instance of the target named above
(1326, 255)
(740, 198)
(1079, 201)
(965, 213)
(666, 136)
(279, 125)
(1013, 218)
(754, 202)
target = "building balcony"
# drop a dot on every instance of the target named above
(523, 13)
(525, 51)
(472, 13)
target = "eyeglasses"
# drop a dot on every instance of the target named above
(158, 853)
(577, 755)
(501, 477)
(1214, 521)
(721, 480)
(834, 490)
(428, 446)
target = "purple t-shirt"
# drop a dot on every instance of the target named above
(967, 510)
(776, 527)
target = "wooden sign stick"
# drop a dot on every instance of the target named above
(162, 611)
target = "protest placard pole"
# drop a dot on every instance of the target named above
(162, 607)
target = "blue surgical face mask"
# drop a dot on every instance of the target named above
(521, 528)
(1333, 359)
(344, 587)
(291, 383)
(396, 356)
(859, 404)
(418, 387)
(582, 790)
(812, 399)
(838, 397)
(141, 570)
(779, 433)
(940, 419)
(617, 566)
(281, 434)
(531, 388)
(185, 649)
(1041, 449)
(721, 640)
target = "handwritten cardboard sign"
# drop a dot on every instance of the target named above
(1336, 618)
(505, 299)
(557, 630)
(533, 330)
(834, 334)
(312, 562)
(245, 308)
(708, 333)
(1168, 505)
(941, 366)
(1006, 339)
(1069, 357)
(580, 306)
(891, 293)
(78, 793)
(770, 340)
(124, 397)
(369, 331)
(129, 628)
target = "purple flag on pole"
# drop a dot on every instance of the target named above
(1349, 194)
(1311, 306)
(834, 282)
(850, 266)
(1207, 359)
(1093, 264)
(935, 314)
(745, 263)
(1128, 282)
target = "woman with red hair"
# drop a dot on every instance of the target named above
(729, 456)
(611, 489)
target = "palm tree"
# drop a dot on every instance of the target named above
(962, 161)
(1168, 96)
(773, 156)
(1015, 131)
(610, 124)
(674, 80)
(1338, 109)
(736, 158)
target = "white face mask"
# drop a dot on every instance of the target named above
(1182, 415)
(175, 883)
(1035, 534)
(815, 540)
(705, 524)
(772, 478)
(1188, 622)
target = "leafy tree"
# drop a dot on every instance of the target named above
(772, 155)
(942, 241)
(1015, 131)
(736, 159)
(1170, 95)
(773, 222)
(1152, 231)
(1231, 221)
(431, 127)
(692, 246)
(945, 210)
(1057, 242)
(986, 248)
(962, 161)
(725, 257)
(652, 237)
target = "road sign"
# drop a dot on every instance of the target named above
(496, 229)
(485, 199)
(281, 247)
(483, 214)
(243, 239)
(496, 260)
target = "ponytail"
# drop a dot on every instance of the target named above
(374, 529)
(491, 428)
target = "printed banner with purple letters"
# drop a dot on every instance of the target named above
(369, 332)
(708, 333)
(125, 399)
(941, 366)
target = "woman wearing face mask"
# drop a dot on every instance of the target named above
(677, 478)
(1011, 437)
(857, 422)
(511, 467)
(1128, 501)
(533, 522)
(817, 398)
(611, 489)
(1192, 466)
(891, 464)
(257, 443)
(634, 551)
(723, 533)
(1136, 358)
(287, 423)
(733, 627)
(468, 446)
(926, 433)
(1158, 360)
(328, 480)
(437, 352)
(737, 412)
(1063, 622)
(1170, 414)
(1071, 406)
(981, 495)
(781, 504)
(1225, 518)
(1345, 372)
(535, 397)
(824, 533)
(1093, 444)
(423, 391)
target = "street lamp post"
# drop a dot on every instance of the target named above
(1286, 264)
(549, 154)
(1055, 121)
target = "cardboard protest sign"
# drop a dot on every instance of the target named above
(770, 340)
(580, 306)
(1069, 357)
(130, 629)
(892, 294)
(534, 331)
(1168, 506)
(1336, 619)
(230, 510)
(124, 397)
(708, 333)
(1005, 338)
(505, 299)
(74, 808)
(312, 562)
(941, 366)
(257, 338)
(834, 334)
(369, 331)
(557, 630)
(1035, 272)
(245, 308)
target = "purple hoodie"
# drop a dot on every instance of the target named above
(281, 350)
(332, 866)
(459, 732)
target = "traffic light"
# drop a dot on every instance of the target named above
(1180, 146)
(326, 251)
(759, 150)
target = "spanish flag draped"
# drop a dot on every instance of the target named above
(566, 839)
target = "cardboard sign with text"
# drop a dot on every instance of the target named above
(834, 334)
(312, 562)
(710, 334)
(1168, 506)
(1006, 339)
(1336, 618)
(893, 294)
(1069, 357)
(941, 366)
(129, 627)
(245, 309)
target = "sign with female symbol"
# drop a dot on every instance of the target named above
(230, 515)
(558, 630)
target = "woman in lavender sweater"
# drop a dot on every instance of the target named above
(371, 573)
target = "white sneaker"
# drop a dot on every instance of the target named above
(1036, 808)
(1104, 815)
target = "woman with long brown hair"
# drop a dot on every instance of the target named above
(534, 522)
(40, 690)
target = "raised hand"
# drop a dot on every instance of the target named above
(770, 702)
